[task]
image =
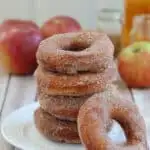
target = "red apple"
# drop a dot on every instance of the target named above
(14, 22)
(134, 65)
(60, 24)
(19, 40)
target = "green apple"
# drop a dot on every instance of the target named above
(134, 64)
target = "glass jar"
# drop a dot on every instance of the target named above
(132, 8)
(109, 21)
(140, 29)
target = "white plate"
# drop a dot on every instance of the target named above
(19, 130)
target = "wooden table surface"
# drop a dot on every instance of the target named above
(16, 91)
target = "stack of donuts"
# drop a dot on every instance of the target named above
(71, 68)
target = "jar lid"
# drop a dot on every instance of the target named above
(108, 14)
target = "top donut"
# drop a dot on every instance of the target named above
(71, 53)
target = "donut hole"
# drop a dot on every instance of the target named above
(76, 47)
(117, 134)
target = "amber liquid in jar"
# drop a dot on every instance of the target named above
(132, 8)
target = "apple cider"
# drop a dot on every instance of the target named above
(132, 9)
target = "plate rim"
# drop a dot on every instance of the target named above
(24, 146)
(14, 141)
(4, 121)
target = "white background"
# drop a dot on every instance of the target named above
(85, 11)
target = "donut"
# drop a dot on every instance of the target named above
(62, 107)
(55, 129)
(94, 115)
(71, 53)
(74, 85)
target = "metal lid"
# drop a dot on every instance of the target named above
(107, 14)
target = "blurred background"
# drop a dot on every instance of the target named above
(85, 11)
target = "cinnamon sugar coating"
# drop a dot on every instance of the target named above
(72, 53)
(55, 129)
(75, 85)
(96, 112)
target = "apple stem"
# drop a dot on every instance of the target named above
(136, 50)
